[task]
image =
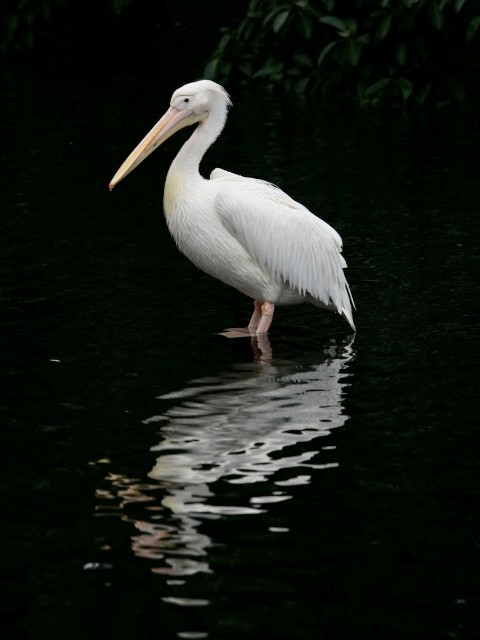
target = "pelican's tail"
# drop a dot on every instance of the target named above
(347, 314)
(346, 311)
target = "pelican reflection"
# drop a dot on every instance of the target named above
(262, 426)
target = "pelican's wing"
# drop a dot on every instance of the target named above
(285, 237)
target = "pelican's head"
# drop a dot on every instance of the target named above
(189, 105)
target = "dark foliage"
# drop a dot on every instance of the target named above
(372, 51)
(28, 23)
(402, 51)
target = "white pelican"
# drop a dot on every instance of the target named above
(245, 232)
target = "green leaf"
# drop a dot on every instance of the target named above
(384, 27)
(294, 70)
(255, 4)
(210, 70)
(436, 16)
(376, 87)
(307, 26)
(248, 30)
(472, 28)
(422, 94)
(354, 51)
(351, 27)
(280, 20)
(270, 68)
(406, 88)
(301, 85)
(271, 14)
(309, 10)
(303, 60)
(224, 40)
(458, 4)
(332, 21)
(255, 9)
(325, 51)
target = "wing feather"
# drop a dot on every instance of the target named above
(284, 237)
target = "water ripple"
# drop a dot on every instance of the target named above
(260, 427)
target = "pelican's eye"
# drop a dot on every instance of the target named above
(186, 99)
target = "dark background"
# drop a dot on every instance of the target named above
(124, 510)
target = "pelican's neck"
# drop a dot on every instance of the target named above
(190, 155)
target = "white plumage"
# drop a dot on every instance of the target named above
(245, 232)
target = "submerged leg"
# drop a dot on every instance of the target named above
(267, 309)
(257, 314)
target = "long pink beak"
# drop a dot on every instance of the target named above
(168, 124)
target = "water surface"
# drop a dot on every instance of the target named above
(162, 481)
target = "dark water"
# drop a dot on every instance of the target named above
(160, 481)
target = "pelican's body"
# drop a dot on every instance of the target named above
(245, 232)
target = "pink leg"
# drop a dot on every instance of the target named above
(267, 309)
(257, 314)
